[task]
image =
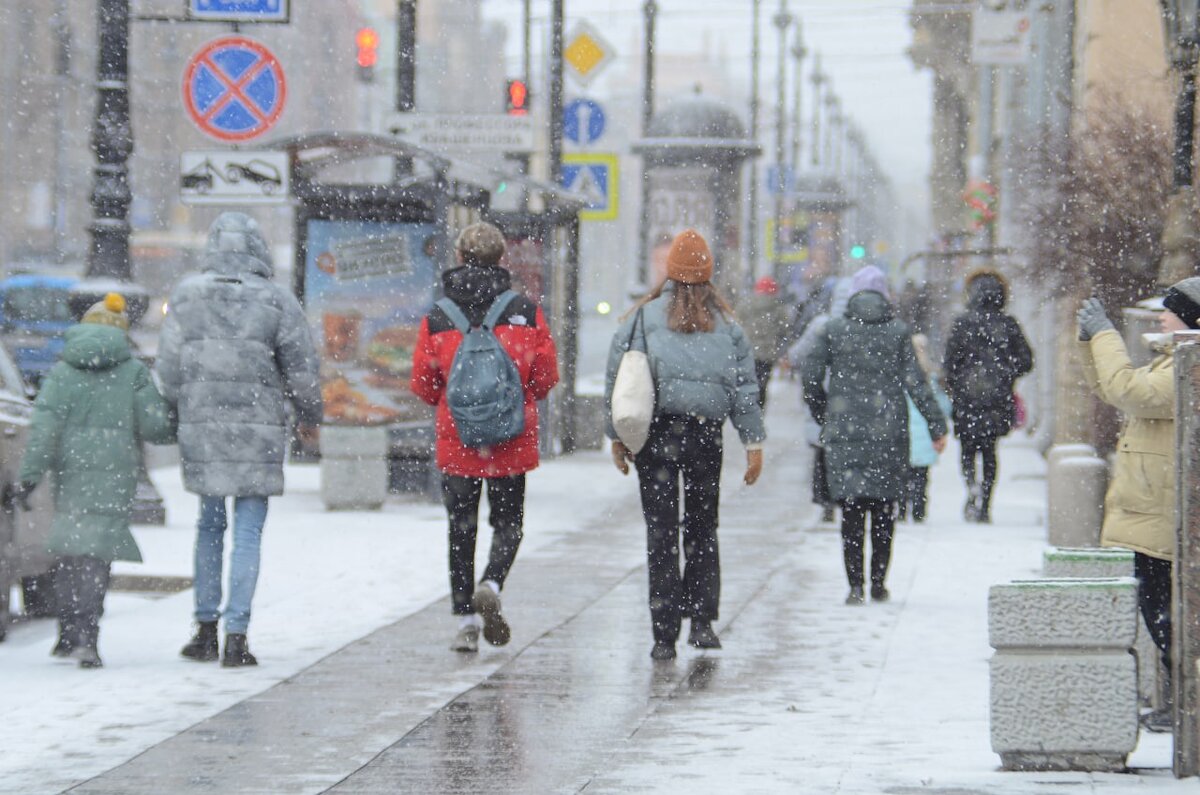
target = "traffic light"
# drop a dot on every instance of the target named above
(367, 42)
(516, 98)
(858, 252)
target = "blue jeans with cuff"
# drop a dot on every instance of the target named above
(249, 515)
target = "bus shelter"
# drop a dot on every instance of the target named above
(375, 221)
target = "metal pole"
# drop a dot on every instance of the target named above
(783, 21)
(798, 52)
(650, 14)
(556, 90)
(527, 40)
(406, 55)
(818, 80)
(1185, 114)
(752, 210)
(62, 70)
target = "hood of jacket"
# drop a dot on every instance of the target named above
(869, 306)
(90, 346)
(986, 291)
(473, 287)
(236, 247)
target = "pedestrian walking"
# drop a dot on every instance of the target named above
(921, 452)
(704, 374)
(235, 350)
(95, 408)
(869, 358)
(480, 297)
(767, 320)
(830, 302)
(1139, 508)
(986, 353)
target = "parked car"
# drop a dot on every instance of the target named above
(34, 316)
(23, 534)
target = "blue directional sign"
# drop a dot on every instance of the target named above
(583, 121)
(595, 178)
(239, 10)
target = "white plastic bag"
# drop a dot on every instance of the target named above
(633, 394)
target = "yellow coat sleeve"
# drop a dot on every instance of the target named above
(1147, 392)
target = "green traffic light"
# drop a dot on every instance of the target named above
(858, 252)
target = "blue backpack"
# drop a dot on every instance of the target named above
(484, 390)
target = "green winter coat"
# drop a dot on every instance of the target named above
(94, 408)
(864, 417)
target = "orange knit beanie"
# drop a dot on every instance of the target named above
(690, 261)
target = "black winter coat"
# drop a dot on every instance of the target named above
(985, 354)
(864, 417)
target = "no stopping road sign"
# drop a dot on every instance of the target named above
(234, 88)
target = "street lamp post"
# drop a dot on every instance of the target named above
(798, 52)
(650, 16)
(783, 21)
(752, 209)
(818, 79)
(1181, 243)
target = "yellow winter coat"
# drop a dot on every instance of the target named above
(1139, 509)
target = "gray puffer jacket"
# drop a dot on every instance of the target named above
(708, 375)
(235, 348)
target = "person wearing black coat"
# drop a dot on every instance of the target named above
(986, 353)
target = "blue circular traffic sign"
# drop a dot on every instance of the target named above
(234, 89)
(583, 121)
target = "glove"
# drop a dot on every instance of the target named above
(20, 494)
(1092, 319)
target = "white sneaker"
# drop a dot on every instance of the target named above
(467, 639)
(486, 604)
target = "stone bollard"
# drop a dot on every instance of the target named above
(1058, 563)
(354, 467)
(1075, 509)
(1063, 680)
(1060, 451)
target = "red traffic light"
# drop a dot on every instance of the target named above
(517, 98)
(367, 41)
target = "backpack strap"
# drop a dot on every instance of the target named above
(455, 314)
(497, 308)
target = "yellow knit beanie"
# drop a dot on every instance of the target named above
(109, 312)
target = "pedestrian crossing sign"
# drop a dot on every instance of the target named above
(593, 177)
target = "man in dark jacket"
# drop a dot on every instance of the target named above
(864, 421)
(985, 354)
(235, 350)
(524, 335)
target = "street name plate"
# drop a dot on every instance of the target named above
(238, 10)
(452, 133)
(233, 177)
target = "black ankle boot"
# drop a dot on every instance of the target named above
(702, 636)
(203, 645)
(237, 653)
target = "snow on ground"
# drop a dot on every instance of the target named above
(327, 579)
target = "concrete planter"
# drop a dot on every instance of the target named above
(1063, 680)
(354, 467)
(1075, 507)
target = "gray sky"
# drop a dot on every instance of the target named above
(862, 45)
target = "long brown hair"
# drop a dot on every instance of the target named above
(693, 307)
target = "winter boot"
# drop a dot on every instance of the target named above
(855, 596)
(203, 645)
(237, 653)
(971, 509)
(85, 647)
(88, 657)
(702, 635)
(879, 593)
(467, 639)
(486, 604)
(662, 651)
(66, 640)
(985, 506)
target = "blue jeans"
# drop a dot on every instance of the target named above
(249, 515)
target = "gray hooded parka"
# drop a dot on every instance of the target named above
(235, 348)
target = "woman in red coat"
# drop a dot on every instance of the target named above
(523, 333)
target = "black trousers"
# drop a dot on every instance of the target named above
(762, 371)
(80, 585)
(883, 524)
(1154, 577)
(820, 483)
(682, 452)
(506, 515)
(985, 448)
(916, 488)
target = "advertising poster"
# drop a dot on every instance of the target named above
(367, 286)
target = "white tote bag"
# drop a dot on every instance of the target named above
(633, 393)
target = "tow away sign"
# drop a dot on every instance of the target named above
(233, 177)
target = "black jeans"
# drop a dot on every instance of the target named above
(1154, 598)
(80, 585)
(762, 371)
(681, 451)
(916, 487)
(883, 524)
(506, 515)
(985, 448)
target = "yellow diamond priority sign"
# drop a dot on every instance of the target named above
(586, 52)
